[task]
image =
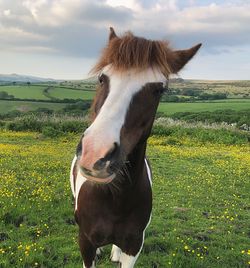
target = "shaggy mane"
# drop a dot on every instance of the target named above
(132, 52)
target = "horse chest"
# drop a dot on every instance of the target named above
(103, 231)
(105, 220)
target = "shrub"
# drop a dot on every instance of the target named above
(73, 126)
(219, 116)
(78, 106)
(25, 123)
(34, 123)
(170, 98)
(5, 95)
(2, 124)
(222, 136)
(51, 132)
(161, 130)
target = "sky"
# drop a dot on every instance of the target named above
(62, 39)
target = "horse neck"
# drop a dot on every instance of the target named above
(132, 176)
(136, 161)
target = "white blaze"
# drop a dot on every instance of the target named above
(105, 130)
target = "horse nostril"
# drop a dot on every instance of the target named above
(85, 170)
(111, 168)
(111, 154)
(100, 164)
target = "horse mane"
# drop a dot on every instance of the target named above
(137, 53)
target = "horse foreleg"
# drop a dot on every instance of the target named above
(131, 252)
(88, 252)
(128, 261)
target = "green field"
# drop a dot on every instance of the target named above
(67, 93)
(24, 106)
(200, 214)
(232, 100)
(236, 89)
(171, 108)
(25, 91)
(166, 108)
(37, 92)
(232, 88)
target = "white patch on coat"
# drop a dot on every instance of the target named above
(92, 266)
(99, 251)
(79, 182)
(148, 171)
(128, 261)
(72, 176)
(122, 87)
(115, 253)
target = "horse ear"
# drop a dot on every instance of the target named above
(112, 33)
(181, 57)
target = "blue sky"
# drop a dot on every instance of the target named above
(63, 38)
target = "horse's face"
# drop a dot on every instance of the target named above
(124, 111)
(125, 106)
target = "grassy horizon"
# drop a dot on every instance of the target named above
(173, 107)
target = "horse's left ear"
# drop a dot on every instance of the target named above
(181, 57)
(112, 33)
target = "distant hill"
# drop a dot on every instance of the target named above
(177, 80)
(24, 78)
(91, 80)
(10, 78)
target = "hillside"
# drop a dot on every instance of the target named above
(24, 78)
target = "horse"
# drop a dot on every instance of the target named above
(111, 178)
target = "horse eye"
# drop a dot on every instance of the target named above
(101, 79)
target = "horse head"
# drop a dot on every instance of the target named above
(133, 73)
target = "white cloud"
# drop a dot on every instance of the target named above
(216, 25)
(15, 33)
(6, 12)
(131, 4)
(79, 28)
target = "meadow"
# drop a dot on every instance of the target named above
(233, 88)
(64, 93)
(200, 213)
(47, 92)
(24, 106)
(165, 108)
(238, 93)
(171, 108)
(25, 91)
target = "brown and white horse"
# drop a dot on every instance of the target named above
(110, 175)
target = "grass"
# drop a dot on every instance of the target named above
(37, 92)
(7, 106)
(166, 108)
(232, 88)
(25, 91)
(235, 89)
(64, 93)
(200, 213)
(171, 108)
(232, 100)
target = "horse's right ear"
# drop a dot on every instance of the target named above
(112, 33)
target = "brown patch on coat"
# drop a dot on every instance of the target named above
(102, 92)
